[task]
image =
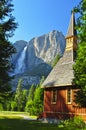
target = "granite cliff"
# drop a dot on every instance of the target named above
(34, 58)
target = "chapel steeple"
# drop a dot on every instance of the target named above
(62, 74)
(71, 36)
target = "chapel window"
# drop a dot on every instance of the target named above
(54, 96)
(69, 96)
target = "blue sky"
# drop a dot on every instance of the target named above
(38, 17)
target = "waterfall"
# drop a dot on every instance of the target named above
(20, 64)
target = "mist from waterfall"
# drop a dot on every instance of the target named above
(20, 64)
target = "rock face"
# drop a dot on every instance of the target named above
(33, 59)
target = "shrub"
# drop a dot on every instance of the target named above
(13, 106)
(79, 123)
(30, 107)
(75, 122)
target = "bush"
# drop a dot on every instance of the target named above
(30, 107)
(38, 107)
(13, 106)
(73, 123)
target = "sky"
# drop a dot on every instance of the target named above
(38, 17)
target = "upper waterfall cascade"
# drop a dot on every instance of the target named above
(20, 64)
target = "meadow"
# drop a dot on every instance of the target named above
(16, 121)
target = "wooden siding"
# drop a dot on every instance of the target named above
(61, 109)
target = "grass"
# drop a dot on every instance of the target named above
(13, 121)
(20, 124)
(13, 114)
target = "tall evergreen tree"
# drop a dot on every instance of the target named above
(31, 93)
(19, 95)
(38, 98)
(29, 104)
(35, 103)
(80, 66)
(7, 27)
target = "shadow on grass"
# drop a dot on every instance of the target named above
(21, 124)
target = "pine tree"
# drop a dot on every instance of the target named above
(31, 93)
(38, 98)
(35, 103)
(19, 95)
(7, 27)
(80, 66)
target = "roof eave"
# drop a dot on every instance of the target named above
(61, 85)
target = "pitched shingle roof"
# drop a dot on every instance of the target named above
(62, 73)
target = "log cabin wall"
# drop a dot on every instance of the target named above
(61, 108)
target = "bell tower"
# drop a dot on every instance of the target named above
(71, 37)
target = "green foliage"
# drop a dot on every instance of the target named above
(20, 96)
(56, 59)
(5, 101)
(38, 101)
(30, 98)
(31, 93)
(13, 106)
(30, 107)
(24, 98)
(81, 20)
(80, 66)
(74, 123)
(35, 105)
(7, 27)
(38, 98)
(8, 106)
(1, 107)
